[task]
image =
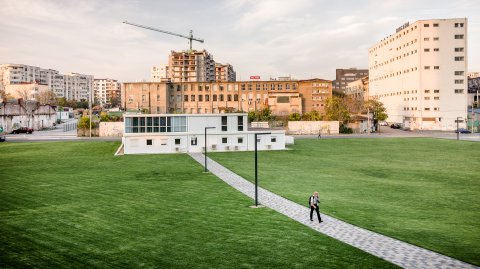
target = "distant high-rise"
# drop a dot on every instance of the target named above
(105, 90)
(71, 86)
(345, 76)
(420, 73)
(192, 66)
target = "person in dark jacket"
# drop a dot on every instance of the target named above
(314, 201)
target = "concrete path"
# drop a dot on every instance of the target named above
(392, 250)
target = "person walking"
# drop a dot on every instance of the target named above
(314, 201)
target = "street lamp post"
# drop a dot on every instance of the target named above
(206, 170)
(458, 131)
(256, 167)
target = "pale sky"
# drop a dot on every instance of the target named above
(269, 38)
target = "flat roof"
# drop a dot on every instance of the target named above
(187, 115)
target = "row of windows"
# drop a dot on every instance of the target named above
(457, 91)
(427, 67)
(194, 141)
(143, 124)
(243, 87)
(397, 36)
(200, 98)
(415, 108)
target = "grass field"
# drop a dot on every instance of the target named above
(423, 191)
(75, 205)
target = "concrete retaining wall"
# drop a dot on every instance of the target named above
(313, 127)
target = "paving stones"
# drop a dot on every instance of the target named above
(392, 250)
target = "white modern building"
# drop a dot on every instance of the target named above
(71, 86)
(174, 133)
(420, 74)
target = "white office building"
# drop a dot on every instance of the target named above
(420, 74)
(174, 133)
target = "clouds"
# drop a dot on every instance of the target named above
(303, 38)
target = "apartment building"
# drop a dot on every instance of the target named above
(358, 89)
(105, 90)
(282, 97)
(224, 72)
(345, 76)
(71, 86)
(191, 66)
(160, 73)
(420, 73)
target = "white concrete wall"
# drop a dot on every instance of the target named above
(313, 127)
(111, 129)
(165, 143)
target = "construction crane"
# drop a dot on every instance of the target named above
(190, 38)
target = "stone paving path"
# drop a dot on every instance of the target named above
(392, 250)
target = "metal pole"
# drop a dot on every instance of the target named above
(458, 132)
(206, 170)
(256, 172)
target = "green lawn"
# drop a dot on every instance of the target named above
(423, 191)
(75, 205)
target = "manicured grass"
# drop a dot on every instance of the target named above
(423, 191)
(73, 204)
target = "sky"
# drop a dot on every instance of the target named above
(268, 38)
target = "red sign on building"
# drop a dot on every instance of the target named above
(254, 77)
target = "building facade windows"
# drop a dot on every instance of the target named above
(224, 123)
(142, 124)
(458, 36)
(459, 58)
(240, 123)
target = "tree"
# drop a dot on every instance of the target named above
(295, 116)
(84, 123)
(46, 97)
(336, 109)
(312, 116)
(62, 101)
(378, 110)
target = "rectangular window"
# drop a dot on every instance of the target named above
(459, 91)
(458, 25)
(426, 67)
(273, 139)
(436, 91)
(229, 97)
(224, 123)
(426, 25)
(199, 88)
(192, 98)
(459, 73)
(458, 36)
(427, 98)
(200, 98)
(436, 49)
(185, 98)
(459, 81)
(426, 50)
(224, 140)
(427, 91)
(436, 98)
(459, 58)
(149, 142)
(427, 108)
(435, 25)
(242, 87)
(459, 49)
(214, 97)
(436, 67)
(193, 141)
(235, 97)
(240, 123)
(436, 38)
(240, 140)
(207, 97)
(426, 39)
(177, 141)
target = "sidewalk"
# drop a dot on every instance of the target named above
(392, 250)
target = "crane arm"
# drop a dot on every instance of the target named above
(166, 32)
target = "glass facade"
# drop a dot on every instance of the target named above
(146, 124)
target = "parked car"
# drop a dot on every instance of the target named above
(2, 138)
(462, 131)
(23, 130)
(396, 126)
(383, 123)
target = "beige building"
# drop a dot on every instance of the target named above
(160, 74)
(419, 73)
(358, 89)
(105, 90)
(282, 97)
(224, 72)
(25, 91)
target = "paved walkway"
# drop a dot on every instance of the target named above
(392, 250)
